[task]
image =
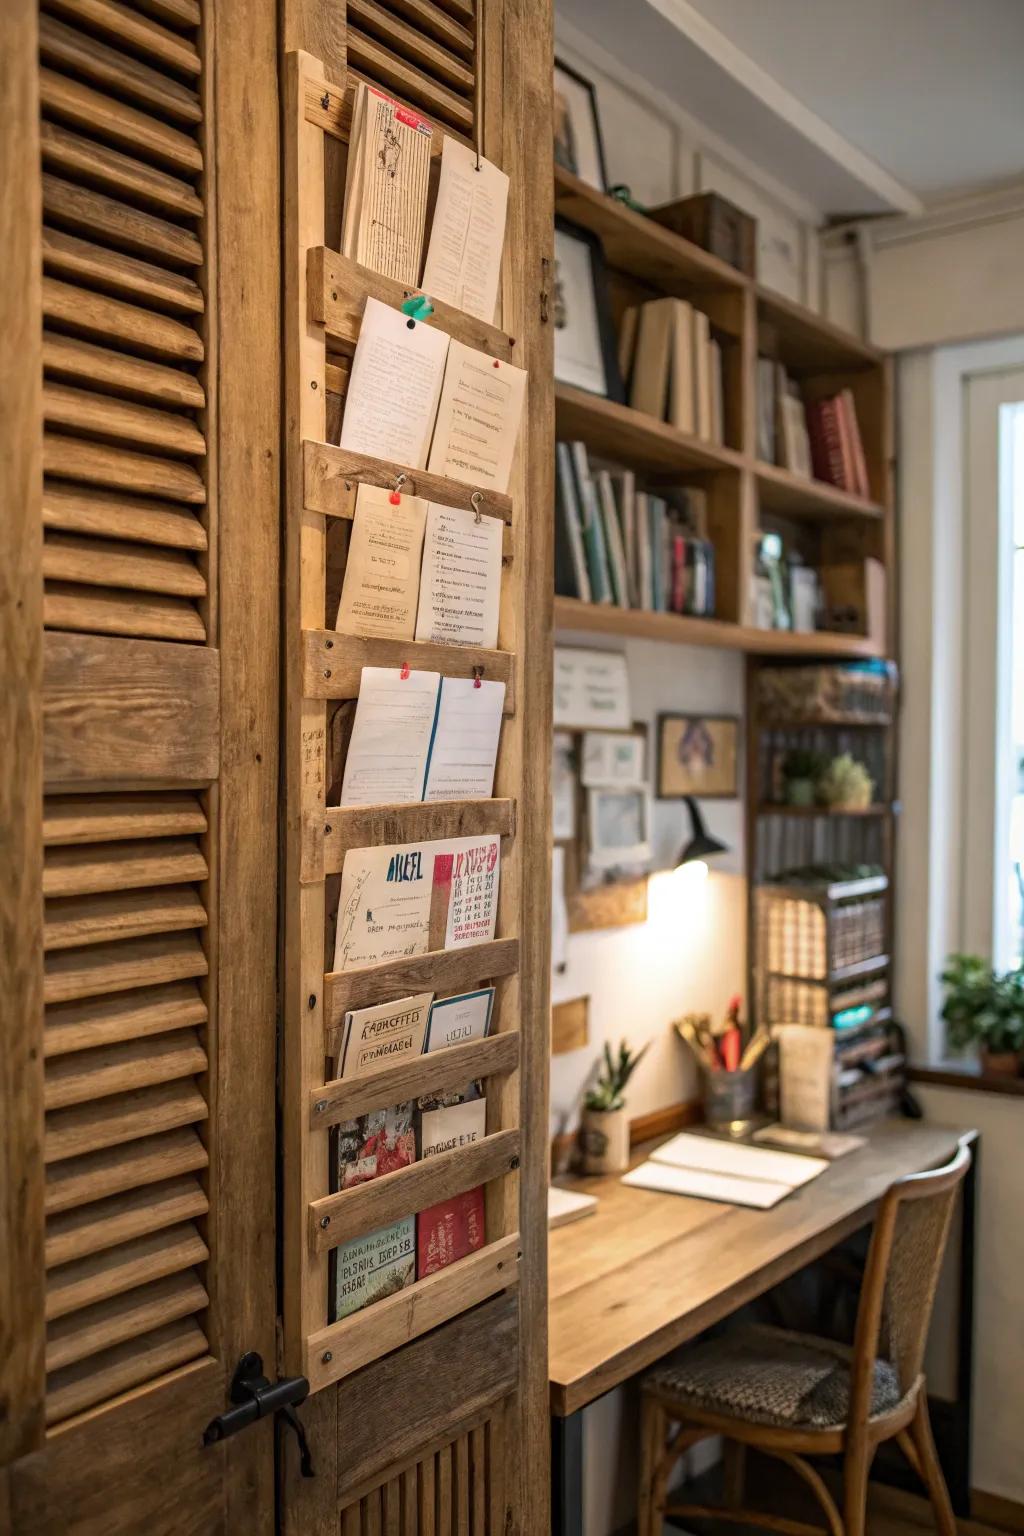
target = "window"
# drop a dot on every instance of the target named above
(1010, 942)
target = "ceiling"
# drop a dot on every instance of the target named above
(931, 89)
(861, 106)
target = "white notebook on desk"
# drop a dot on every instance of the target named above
(738, 1160)
(670, 1180)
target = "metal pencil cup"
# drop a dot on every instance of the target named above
(729, 1097)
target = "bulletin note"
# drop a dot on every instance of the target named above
(394, 386)
(382, 572)
(477, 419)
(460, 583)
(464, 256)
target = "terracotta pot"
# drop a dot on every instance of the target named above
(604, 1138)
(999, 1063)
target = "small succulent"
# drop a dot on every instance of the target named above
(616, 1071)
(846, 782)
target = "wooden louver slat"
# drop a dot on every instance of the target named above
(117, 818)
(80, 1334)
(129, 1116)
(378, 63)
(128, 1016)
(124, 1068)
(120, 174)
(112, 1169)
(135, 30)
(115, 71)
(92, 1279)
(104, 416)
(129, 228)
(120, 469)
(411, 43)
(126, 1365)
(80, 309)
(75, 973)
(119, 1219)
(99, 113)
(105, 563)
(121, 613)
(77, 510)
(120, 915)
(77, 871)
(69, 357)
(114, 272)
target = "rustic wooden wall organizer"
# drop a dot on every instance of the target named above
(325, 298)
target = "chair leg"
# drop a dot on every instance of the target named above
(653, 1426)
(931, 1472)
(856, 1466)
(734, 1457)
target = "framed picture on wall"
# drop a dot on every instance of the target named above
(578, 144)
(619, 828)
(586, 354)
(698, 755)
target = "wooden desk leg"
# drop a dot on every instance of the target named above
(956, 1451)
(567, 1475)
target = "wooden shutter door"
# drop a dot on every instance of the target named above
(141, 420)
(429, 1413)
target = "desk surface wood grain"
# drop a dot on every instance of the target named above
(650, 1271)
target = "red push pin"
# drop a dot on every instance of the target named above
(404, 674)
(496, 363)
(395, 499)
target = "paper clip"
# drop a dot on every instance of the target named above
(404, 674)
(476, 499)
(395, 498)
(478, 673)
(418, 307)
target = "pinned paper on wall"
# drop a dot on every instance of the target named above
(460, 583)
(591, 689)
(478, 419)
(394, 387)
(463, 264)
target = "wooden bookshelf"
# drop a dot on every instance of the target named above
(679, 629)
(836, 527)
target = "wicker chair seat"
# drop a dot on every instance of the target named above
(771, 1376)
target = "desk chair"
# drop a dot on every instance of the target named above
(793, 1396)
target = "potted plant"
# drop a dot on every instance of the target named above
(846, 784)
(986, 1010)
(605, 1130)
(801, 769)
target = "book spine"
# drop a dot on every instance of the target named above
(679, 543)
(861, 483)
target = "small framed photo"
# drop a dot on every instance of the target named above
(578, 144)
(619, 828)
(698, 755)
(586, 354)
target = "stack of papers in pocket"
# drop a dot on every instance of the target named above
(711, 1169)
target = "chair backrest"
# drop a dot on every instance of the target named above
(907, 1247)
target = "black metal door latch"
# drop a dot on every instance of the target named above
(256, 1397)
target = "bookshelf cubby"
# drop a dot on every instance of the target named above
(325, 296)
(745, 494)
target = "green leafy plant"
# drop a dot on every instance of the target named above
(616, 1071)
(801, 763)
(846, 782)
(981, 1007)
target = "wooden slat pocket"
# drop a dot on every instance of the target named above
(338, 1218)
(344, 1098)
(333, 664)
(338, 289)
(359, 826)
(441, 971)
(344, 1347)
(332, 475)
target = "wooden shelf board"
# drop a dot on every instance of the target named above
(331, 476)
(344, 1098)
(355, 1341)
(789, 495)
(364, 826)
(333, 663)
(806, 343)
(823, 810)
(442, 971)
(679, 629)
(637, 245)
(632, 437)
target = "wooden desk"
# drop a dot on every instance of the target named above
(650, 1271)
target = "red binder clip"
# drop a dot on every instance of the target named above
(404, 674)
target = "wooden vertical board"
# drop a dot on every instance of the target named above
(516, 94)
(22, 1332)
(305, 1174)
(242, 1111)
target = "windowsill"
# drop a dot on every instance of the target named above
(966, 1074)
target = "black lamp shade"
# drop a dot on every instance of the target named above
(701, 845)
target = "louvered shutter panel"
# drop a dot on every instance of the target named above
(127, 533)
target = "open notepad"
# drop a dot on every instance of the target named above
(711, 1169)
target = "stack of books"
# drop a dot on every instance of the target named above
(819, 438)
(673, 366)
(627, 547)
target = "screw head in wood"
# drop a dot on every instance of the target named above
(513, 1162)
(327, 1357)
(312, 383)
(311, 1001)
(320, 1106)
(325, 100)
(328, 645)
(327, 672)
(325, 1222)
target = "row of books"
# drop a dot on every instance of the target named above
(379, 1263)
(619, 545)
(673, 367)
(819, 438)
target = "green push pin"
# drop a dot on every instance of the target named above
(418, 307)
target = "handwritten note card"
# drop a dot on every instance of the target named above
(380, 590)
(464, 256)
(477, 419)
(465, 740)
(460, 583)
(394, 387)
(591, 689)
(390, 743)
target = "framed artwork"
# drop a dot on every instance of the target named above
(578, 144)
(698, 755)
(619, 827)
(586, 353)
